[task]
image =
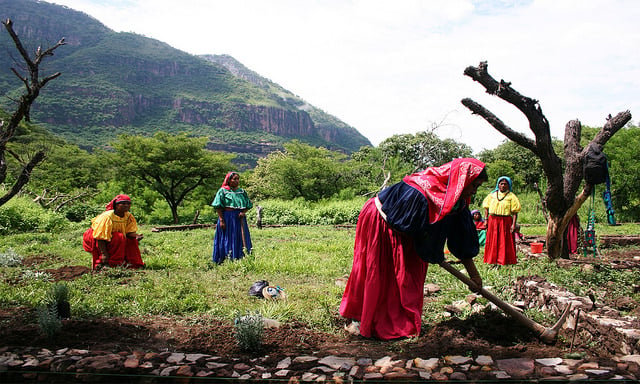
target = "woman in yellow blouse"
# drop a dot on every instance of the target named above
(501, 208)
(112, 237)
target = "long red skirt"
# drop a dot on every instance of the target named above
(499, 247)
(123, 251)
(385, 289)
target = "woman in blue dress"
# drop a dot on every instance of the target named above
(232, 238)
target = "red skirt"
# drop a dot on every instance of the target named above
(385, 288)
(500, 245)
(123, 251)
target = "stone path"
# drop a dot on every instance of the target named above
(74, 365)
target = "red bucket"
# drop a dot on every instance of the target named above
(536, 247)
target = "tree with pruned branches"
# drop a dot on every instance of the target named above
(30, 77)
(561, 197)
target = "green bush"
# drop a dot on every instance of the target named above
(20, 214)
(48, 320)
(301, 212)
(79, 212)
(10, 258)
(249, 330)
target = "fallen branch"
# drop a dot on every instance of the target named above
(181, 227)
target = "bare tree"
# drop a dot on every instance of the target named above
(32, 82)
(563, 185)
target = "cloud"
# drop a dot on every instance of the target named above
(397, 67)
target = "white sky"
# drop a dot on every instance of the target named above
(394, 67)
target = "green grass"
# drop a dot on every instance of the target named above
(180, 279)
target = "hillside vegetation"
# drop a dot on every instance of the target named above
(115, 83)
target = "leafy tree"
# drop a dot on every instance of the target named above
(525, 166)
(424, 149)
(624, 170)
(563, 178)
(370, 170)
(33, 84)
(172, 165)
(299, 171)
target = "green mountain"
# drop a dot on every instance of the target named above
(115, 83)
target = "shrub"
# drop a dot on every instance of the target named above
(20, 214)
(10, 258)
(48, 320)
(249, 329)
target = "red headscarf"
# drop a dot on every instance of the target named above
(443, 185)
(225, 183)
(116, 200)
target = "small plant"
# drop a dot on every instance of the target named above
(30, 275)
(10, 258)
(58, 297)
(48, 320)
(58, 293)
(249, 329)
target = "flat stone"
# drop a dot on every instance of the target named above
(356, 372)
(395, 375)
(458, 376)
(518, 367)
(457, 360)
(563, 369)
(325, 369)
(194, 357)
(131, 363)
(547, 371)
(550, 361)
(31, 363)
(305, 359)
(578, 377)
(597, 372)
(484, 360)
(284, 363)
(204, 373)
(424, 375)
(308, 376)
(387, 362)
(631, 358)
(502, 375)
(364, 361)
(175, 358)
(438, 376)
(214, 365)
(185, 371)
(336, 362)
(169, 371)
(241, 367)
(588, 365)
(373, 376)
(282, 373)
(429, 364)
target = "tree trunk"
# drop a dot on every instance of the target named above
(562, 185)
(33, 84)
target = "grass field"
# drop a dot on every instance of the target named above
(180, 280)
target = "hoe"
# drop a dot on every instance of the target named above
(547, 335)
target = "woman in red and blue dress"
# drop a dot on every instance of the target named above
(501, 209)
(398, 233)
(232, 238)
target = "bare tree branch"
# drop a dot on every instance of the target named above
(33, 86)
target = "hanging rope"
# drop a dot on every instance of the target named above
(590, 231)
(606, 197)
